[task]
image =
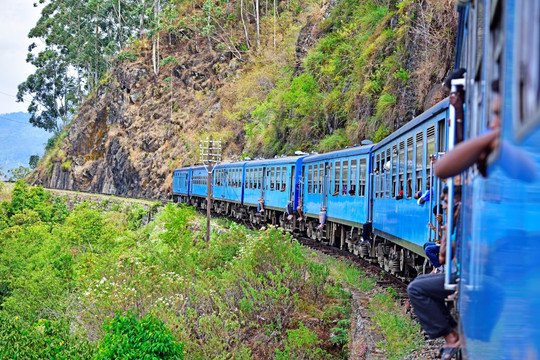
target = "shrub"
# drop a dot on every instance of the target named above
(127, 337)
(127, 55)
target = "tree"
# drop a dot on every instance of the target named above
(18, 173)
(33, 162)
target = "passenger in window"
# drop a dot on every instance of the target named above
(283, 187)
(457, 100)
(336, 191)
(427, 295)
(516, 163)
(344, 189)
(409, 187)
(423, 198)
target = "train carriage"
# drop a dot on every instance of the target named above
(401, 169)
(337, 183)
(499, 288)
(228, 190)
(275, 181)
(181, 179)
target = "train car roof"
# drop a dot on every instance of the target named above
(275, 161)
(351, 151)
(432, 111)
(230, 164)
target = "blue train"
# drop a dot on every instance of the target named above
(353, 187)
(369, 194)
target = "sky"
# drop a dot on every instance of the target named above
(17, 17)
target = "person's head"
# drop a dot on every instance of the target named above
(496, 106)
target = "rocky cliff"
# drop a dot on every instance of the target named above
(138, 126)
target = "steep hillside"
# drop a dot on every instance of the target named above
(325, 75)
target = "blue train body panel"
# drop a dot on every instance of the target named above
(402, 156)
(274, 180)
(500, 270)
(199, 181)
(181, 181)
(227, 182)
(338, 181)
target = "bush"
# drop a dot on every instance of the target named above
(130, 338)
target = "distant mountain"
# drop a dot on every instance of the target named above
(18, 140)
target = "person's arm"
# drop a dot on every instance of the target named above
(465, 154)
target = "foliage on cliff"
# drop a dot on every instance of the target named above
(294, 75)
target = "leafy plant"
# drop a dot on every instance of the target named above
(127, 337)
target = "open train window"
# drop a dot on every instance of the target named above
(394, 170)
(528, 77)
(321, 178)
(344, 177)
(418, 166)
(430, 149)
(387, 169)
(337, 175)
(401, 164)
(310, 178)
(362, 178)
(283, 178)
(352, 182)
(376, 172)
(272, 178)
(278, 178)
(315, 178)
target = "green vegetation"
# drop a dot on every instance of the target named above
(86, 284)
(400, 333)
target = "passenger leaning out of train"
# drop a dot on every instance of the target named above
(322, 217)
(300, 209)
(427, 295)
(290, 210)
(260, 205)
(423, 197)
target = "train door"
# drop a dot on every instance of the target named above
(326, 184)
(291, 183)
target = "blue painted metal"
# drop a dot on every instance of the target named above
(405, 221)
(228, 180)
(500, 269)
(341, 207)
(181, 181)
(276, 193)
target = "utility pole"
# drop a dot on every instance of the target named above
(210, 152)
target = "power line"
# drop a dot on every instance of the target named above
(24, 99)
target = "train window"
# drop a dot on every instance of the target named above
(401, 164)
(337, 176)
(377, 181)
(247, 183)
(409, 166)
(394, 170)
(310, 178)
(362, 178)
(430, 149)
(352, 182)
(344, 177)
(272, 178)
(321, 178)
(418, 167)
(528, 79)
(252, 179)
(283, 178)
(278, 179)
(315, 178)
(259, 179)
(388, 167)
